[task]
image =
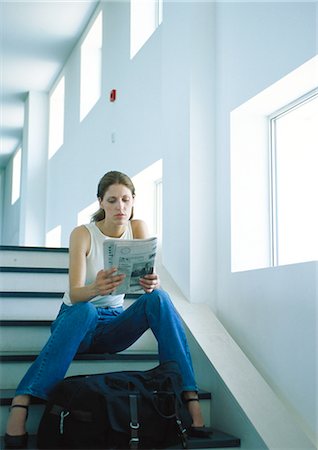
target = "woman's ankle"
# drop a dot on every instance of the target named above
(18, 415)
(194, 408)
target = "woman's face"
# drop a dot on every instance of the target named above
(117, 204)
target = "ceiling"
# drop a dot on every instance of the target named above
(36, 38)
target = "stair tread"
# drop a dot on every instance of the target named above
(6, 396)
(30, 294)
(218, 439)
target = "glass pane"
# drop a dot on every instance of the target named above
(297, 184)
(91, 67)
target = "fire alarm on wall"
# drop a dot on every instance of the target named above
(112, 96)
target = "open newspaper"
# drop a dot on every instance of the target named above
(133, 257)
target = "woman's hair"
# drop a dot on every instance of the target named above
(110, 178)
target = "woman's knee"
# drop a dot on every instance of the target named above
(78, 315)
(84, 311)
(159, 297)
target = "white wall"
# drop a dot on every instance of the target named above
(271, 313)
(88, 153)
(34, 170)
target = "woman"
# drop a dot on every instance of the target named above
(91, 319)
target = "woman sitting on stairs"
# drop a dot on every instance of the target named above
(91, 319)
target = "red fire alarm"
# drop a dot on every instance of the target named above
(112, 96)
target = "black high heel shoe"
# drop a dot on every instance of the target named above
(20, 441)
(199, 432)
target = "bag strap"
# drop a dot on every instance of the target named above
(134, 424)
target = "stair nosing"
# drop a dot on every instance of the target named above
(39, 294)
(6, 396)
(21, 269)
(128, 356)
(18, 248)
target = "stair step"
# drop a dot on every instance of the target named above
(38, 405)
(33, 256)
(29, 305)
(15, 364)
(217, 440)
(53, 279)
(31, 335)
(19, 305)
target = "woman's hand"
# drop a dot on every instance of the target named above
(107, 280)
(150, 282)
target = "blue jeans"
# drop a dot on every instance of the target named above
(83, 327)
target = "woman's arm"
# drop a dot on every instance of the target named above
(105, 281)
(140, 231)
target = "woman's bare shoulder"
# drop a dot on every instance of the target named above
(139, 229)
(80, 236)
(80, 231)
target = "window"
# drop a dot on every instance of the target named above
(294, 181)
(16, 177)
(145, 17)
(91, 67)
(273, 193)
(56, 118)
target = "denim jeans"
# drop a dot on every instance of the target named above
(84, 327)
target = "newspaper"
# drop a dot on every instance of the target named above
(133, 257)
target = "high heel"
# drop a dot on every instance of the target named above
(199, 432)
(20, 441)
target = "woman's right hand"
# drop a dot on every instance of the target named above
(107, 280)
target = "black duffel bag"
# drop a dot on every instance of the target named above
(129, 409)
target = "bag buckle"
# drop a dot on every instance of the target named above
(134, 427)
(183, 433)
(62, 417)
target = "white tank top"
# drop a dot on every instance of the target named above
(95, 262)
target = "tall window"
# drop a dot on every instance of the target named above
(145, 17)
(274, 212)
(16, 177)
(294, 187)
(91, 67)
(56, 118)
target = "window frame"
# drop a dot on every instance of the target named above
(273, 204)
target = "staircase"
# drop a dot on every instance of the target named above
(32, 283)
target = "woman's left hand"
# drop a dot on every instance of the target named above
(150, 282)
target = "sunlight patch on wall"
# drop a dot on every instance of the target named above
(84, 216)
(53, 237)
(16, 176)
(148, 201)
